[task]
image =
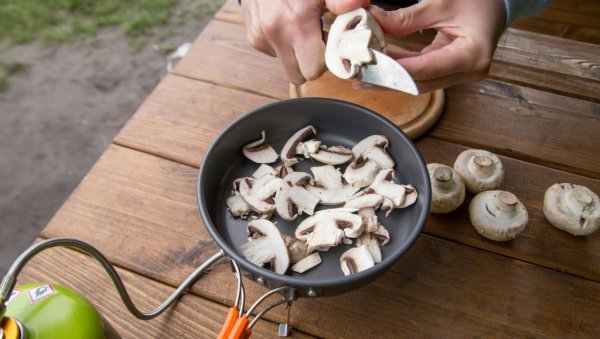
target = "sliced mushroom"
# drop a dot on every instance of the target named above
(372, 244)
(325, 234)
(258, 193)
(366, 205)
(289, 149)
(400, 195)
(306, 147)
(348, 223)
(334, 155)
(379, 156)
(498, 215)
(350, 37)
(356, 260)
(263, 170)
(265, 246)
(329, 186)
(361, 172)
(481, 170)
(382, 235)
(297, 249)
(293, 194)
(447, 188)
(369, 142)
(260, 152)
(307, 263)
(572, 208)
(238, 206)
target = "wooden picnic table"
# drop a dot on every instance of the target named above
(539, 110)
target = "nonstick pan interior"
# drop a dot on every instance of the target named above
(337, 123)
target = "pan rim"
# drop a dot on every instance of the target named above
(298, 281)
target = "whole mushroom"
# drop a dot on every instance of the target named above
(447, 188)
(498, 215)
(572, 208)
(481, 170)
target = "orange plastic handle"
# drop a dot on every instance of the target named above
(240, 329)
(232, 317)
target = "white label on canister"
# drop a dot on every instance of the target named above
(15, 293)
(40, 292)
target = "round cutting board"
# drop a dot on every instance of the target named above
(413, 114)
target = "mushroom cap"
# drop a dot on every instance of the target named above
(498, 215)
(266, 246)
(356, 260)
(260, 152)
(572, 208)
(481, 170)
(447, 188)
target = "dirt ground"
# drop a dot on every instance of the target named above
(59, 117)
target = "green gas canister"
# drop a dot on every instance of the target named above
(44, 311)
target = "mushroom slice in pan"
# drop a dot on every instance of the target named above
(344, 219)
(356, 259)
(297, 249)
(289, 149)
(366, 205)
(260, 152)
(306, 147)
(307, 263)
(258, 193)
(368, 143)
(329, 186)
(481, 170)
(379, 156)
(400, 195)
(372, 244)
(572, 208)
(361, 172)
(382, 235)
(265, 246)
(498, 215)
(263, 170)
(325, 234)
(238, 206)
(293, 194)
(334, 155)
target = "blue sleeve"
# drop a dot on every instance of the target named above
(519, 8)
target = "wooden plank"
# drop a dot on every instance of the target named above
(540, 243)
(524, 123)
(440, 288)
(221, 55)
(190, 317)
(171, 122)
(525, 58)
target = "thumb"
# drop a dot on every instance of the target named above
(338, 7)
(404, 21)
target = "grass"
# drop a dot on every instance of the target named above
(63, 21)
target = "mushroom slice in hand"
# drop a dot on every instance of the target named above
(265, 246)
(258, 192)
(259, 152)
(447, 188)
(289, 149)
(307, 263)
(350, 37)
(334, 155)
(292, 193)
(572, 208)
(481, 170)
(329, 186)
(356, 259)
(498, 215)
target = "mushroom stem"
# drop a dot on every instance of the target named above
(481, 164)
(578, 201)
(442, 178)
(507, 202)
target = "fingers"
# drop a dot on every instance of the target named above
(341, 6)
(405, 20)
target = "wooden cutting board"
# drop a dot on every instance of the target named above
(413, 114)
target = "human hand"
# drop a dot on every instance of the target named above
(467, 34)
(291, 31)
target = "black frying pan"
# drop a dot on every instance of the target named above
(337, 123)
